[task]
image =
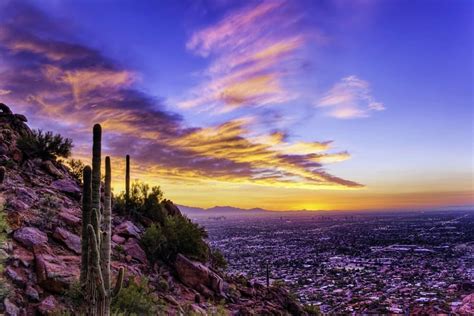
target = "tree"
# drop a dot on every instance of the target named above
(46, 146)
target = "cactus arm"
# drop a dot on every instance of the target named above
(95, 273)
(127, 179)
(95, 223)
(119, 282)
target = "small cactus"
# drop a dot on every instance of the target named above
(2, 174)
(127, 179)
(95, 243)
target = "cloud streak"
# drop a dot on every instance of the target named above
(252, 51)
(71, 86)
(350, 98)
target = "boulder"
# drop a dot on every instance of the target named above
(17, 205)
(55, 273)
(25, 195)
(17, 275)
(69, 218)
(72, 241)
(132, 248)
(128, 229)
(32, 293)
(16, 155)
(467, 306)
(30, 236)
(4, 109)
(24, 256)
(48, 306)
(51, 169)
(21, 118)
(118, 239)
(67, 186)
(195, 274)
(171, 208)
(10, 308)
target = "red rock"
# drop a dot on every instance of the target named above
(196, 275)
(128, 229)
(10, 308)
(68, 187)
(171, 208)
(71, 240)
(17, 205)
(16, 155)
(69, 218)
(133, 249)
(17, 275)
(30, 236)
(32, 293)
(23, 255)
(48, 306)
(51, 169)
(117, 239)
(55, 273)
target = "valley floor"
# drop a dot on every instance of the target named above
(386, 262)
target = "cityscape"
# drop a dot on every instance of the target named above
(410, 262)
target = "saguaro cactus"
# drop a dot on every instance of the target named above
(2, 174)
(86, 219)
(127, 179)
(95, 261)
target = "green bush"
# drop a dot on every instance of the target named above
(218, 261)
(154, 241)
(76, 167)
(135, 299)
(46, 146)
(312, 309)
(177, 235)
(143, 201)
(74, 294)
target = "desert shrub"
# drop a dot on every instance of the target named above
(163, 284)
(279, 284)
(219, 309)
(218, 261)
(46, 146)
(154, 241)
(135, 299)
(312, 309)
(4, 289)
(74, 294)
(177, 235)
(143, 201)
(76, 167)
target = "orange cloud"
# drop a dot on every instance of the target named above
(70, 87)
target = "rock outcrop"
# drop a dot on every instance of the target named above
(41, 201)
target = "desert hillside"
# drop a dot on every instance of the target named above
(40, 199)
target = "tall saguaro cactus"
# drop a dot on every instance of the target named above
(127, 179)
(95, 244)
(96, 162)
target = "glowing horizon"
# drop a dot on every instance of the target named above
(283, 105)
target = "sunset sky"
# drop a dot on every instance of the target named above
(283, 105)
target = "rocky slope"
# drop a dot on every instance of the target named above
(41, 254)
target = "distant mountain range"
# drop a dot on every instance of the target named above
(221, 211)
(230, 211)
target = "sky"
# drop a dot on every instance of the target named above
(283, 105)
